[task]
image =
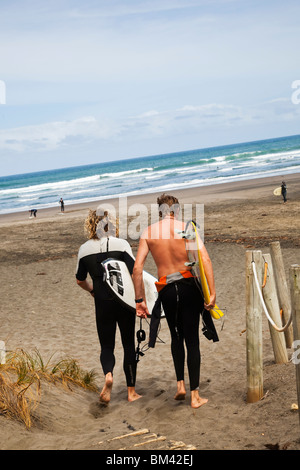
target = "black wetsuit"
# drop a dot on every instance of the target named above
(109, 312)
(284, 191)
(183, 303)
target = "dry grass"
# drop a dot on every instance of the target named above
(17, 402)
(21, 379)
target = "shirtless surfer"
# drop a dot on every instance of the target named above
(181, 299)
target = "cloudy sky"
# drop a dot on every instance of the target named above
(100, 80)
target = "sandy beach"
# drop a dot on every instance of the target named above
(43, 308)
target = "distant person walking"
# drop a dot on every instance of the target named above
(62, 205)
(284, 191)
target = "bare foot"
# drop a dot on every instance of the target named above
(106, 391)
(181, 392)
(132, 395)
(180, 396)
(196, 400)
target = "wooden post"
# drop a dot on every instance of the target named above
(254, 329)
(282, 290)
(272, 304)
(295, 298)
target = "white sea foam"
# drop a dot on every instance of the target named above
(72, 184)
(53, 185)
(119, 174)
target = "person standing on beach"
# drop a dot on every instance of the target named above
(181, 299)
(284, 191)
(109, 312)
(62, 205)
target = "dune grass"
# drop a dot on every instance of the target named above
(21, 380)
(16, 401)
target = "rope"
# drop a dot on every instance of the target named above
(277, 328)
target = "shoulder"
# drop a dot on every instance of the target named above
(88, 248)
(119, 244)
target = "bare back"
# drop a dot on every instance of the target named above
(166, 246)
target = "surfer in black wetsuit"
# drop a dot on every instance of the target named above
(62, 205)
(181, 299)
(109, 312)
(283, 191)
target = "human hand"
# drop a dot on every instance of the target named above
(212, 302)
(142, 310)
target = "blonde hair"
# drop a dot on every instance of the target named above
(95, 230)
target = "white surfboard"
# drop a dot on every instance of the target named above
(120, 282)
(277, 191)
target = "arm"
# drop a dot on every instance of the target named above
(81, 275)
(137, 277)
(85, 285)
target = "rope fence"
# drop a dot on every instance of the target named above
(267, 292)
(276, 327)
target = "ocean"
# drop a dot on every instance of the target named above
(162, 173)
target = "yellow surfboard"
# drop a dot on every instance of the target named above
(193, 248)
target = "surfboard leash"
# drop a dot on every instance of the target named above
(141, 336)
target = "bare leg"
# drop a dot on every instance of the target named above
(196, 400)
(181, 391)
(132, 395)
(106, 391)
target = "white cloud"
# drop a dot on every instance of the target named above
(187, 120)
(191, 119)
(49, 136)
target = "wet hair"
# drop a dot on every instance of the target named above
(168, 205)
(97, 226)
